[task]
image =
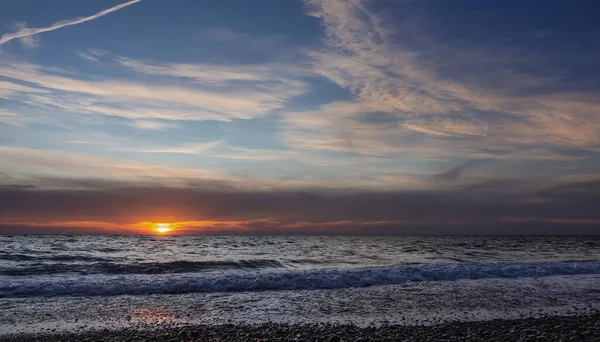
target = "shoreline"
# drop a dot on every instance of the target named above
(551, 328)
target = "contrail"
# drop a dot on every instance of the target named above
(60, 24)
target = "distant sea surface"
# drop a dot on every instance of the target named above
(61, 281)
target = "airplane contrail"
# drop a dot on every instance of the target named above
(60, 24)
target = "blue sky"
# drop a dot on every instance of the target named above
(364, 96)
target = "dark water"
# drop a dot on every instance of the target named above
(137, 265)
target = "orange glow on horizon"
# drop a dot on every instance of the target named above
(163, 228)
(185, 227)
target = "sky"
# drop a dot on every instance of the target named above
(300, 116)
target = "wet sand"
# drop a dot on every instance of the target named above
(563, 328)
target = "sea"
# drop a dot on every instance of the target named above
(73, 283)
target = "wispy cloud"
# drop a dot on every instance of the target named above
(152, 124)
(254, 154)
(28, 42)
(25, 32)
(158, 99)
(188, 148)
(26, 162)
(206, 73)
(59, 169)
(9, 118)
(400, 68)
(261, 77)
(92, 55)
(10, 89)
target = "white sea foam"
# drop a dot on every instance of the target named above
(279, 280)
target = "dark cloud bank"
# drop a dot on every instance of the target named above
(504, 207)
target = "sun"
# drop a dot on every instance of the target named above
(163, 227)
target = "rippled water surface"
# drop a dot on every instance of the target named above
(39, 255)
(200, 278)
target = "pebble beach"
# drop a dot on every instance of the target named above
(556, 328)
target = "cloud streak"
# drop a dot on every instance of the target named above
(42, 163)
(188, 148)
(28, 32)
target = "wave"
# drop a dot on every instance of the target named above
(282, 279)
(181, 266)
(60, 257)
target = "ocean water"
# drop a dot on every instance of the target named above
(68, 282)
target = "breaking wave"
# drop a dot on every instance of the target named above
(269, 279)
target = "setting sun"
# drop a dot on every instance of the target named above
(163, 227)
